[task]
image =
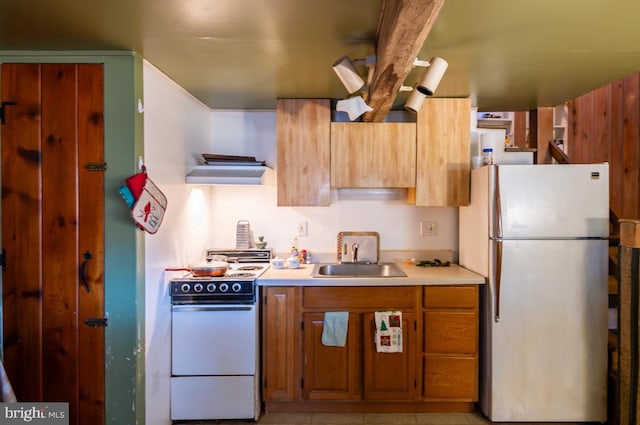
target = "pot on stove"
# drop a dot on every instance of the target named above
(215, 266)
(209, 269)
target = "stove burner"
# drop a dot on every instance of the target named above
(250, 268)
(241, 274)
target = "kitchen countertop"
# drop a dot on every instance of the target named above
(451, 275)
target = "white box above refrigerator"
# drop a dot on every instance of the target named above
(495, 138)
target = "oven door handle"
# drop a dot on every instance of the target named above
(210, 308)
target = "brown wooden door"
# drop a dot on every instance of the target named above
(52, 230)
(331, 373)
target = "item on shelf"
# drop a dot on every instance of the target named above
(243, 234)
(487, 156)
(216, 159)
(261, 243)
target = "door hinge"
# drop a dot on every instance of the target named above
(97, 322)
(2, 114)
(96, 166)
(302, 383)
(3, 259)
(301, 326)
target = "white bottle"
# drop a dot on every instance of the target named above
(487, 156)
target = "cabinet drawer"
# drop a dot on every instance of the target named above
(451, 377)
(451, 332)
(359, 297)
(451, 296)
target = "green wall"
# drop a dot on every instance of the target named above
(124, 244)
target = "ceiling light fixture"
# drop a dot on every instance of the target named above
(432, 76)
(354, 107)
(346, 71)
(414, 101)
(428, 82)
(348, 75)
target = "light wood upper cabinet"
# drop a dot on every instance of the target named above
(443, 137)
(303, 140)
(373, 154)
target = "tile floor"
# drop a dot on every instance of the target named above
(365, 419)
(372, 419)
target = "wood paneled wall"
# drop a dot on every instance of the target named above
(604, 126)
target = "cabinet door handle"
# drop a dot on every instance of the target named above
(83, 273)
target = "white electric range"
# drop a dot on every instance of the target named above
(215, 341)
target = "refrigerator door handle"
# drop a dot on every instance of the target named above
(498, 278)
(498, 205)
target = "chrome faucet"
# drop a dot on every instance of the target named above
(354, 252)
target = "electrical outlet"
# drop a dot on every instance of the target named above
(428, 228)
(302, 228)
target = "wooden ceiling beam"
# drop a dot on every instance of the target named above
(402, 29)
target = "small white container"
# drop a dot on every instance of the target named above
(293, 262)
(487, 156)
(476, 161)
(277, 263)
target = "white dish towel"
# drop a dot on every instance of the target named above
(388, 331)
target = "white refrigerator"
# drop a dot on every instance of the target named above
(538, 233)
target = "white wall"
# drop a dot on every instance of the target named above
(176, 129)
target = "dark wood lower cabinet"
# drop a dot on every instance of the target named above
(303, 375)
(450, 377)
(450, 339)
(390, 376)
(331, 373)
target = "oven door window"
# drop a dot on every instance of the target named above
(213, 340)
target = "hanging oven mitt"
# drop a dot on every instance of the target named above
(136, 183)
(148, 209)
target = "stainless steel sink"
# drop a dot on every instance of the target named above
(342, 270)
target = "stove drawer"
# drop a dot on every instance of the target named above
(213, 397)
(214, 340)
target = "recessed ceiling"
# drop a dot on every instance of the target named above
(244, 54)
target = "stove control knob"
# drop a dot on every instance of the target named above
(224, 287)
(198, 287)
(211, 287)
(236, 287)
(185, 287)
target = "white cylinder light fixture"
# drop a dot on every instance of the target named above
(348, 75)
(431, 77)
(414, 101)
